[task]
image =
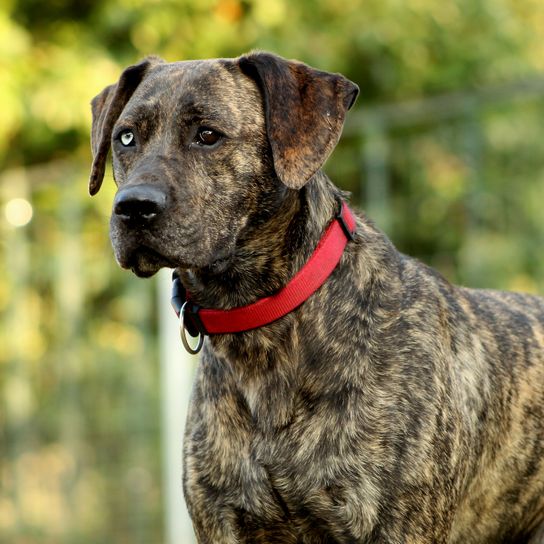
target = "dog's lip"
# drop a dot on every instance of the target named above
(144, 273)
(144, 261)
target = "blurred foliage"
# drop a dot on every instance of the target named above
(79, 394)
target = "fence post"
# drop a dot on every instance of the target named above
(177, 368)
(375, 157)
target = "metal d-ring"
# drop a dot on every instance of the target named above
(183, 333)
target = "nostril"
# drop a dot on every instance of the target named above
(140, 202)
(129, 209)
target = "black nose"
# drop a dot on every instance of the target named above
(139, 203)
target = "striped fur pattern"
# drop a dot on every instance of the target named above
(391, 407)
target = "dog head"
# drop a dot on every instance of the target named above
(202, 149)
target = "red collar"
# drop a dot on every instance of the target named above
(327, 254)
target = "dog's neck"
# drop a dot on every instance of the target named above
(268, 253)
(265, 362)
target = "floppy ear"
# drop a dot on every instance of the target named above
(106, 108)
(305, 110)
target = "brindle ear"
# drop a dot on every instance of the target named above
(305, 110)
(106, 108)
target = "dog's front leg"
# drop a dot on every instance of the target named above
(228, 492)
(538, 535)
(217, 522)
(216, 528)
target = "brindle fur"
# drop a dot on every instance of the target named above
(392, 406)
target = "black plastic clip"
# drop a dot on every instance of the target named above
(187, 311)
(179, 295)
(341, 218)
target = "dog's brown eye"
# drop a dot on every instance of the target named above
(207, 136)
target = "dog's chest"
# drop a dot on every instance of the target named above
(259, 460)
(239, 452)
(257, 472)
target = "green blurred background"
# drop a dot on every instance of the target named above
(444, 149)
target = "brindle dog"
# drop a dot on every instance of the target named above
(391, 407)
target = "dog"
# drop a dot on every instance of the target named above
(388, 406)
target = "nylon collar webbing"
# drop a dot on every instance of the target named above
(305, 282)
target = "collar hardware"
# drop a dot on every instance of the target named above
(185, 327)
(347, 222)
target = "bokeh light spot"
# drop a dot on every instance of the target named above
(18, 212)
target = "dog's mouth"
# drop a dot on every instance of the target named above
(144, 256)
(144, 262)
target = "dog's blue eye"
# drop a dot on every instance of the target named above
(207, 136)
(127, 138)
